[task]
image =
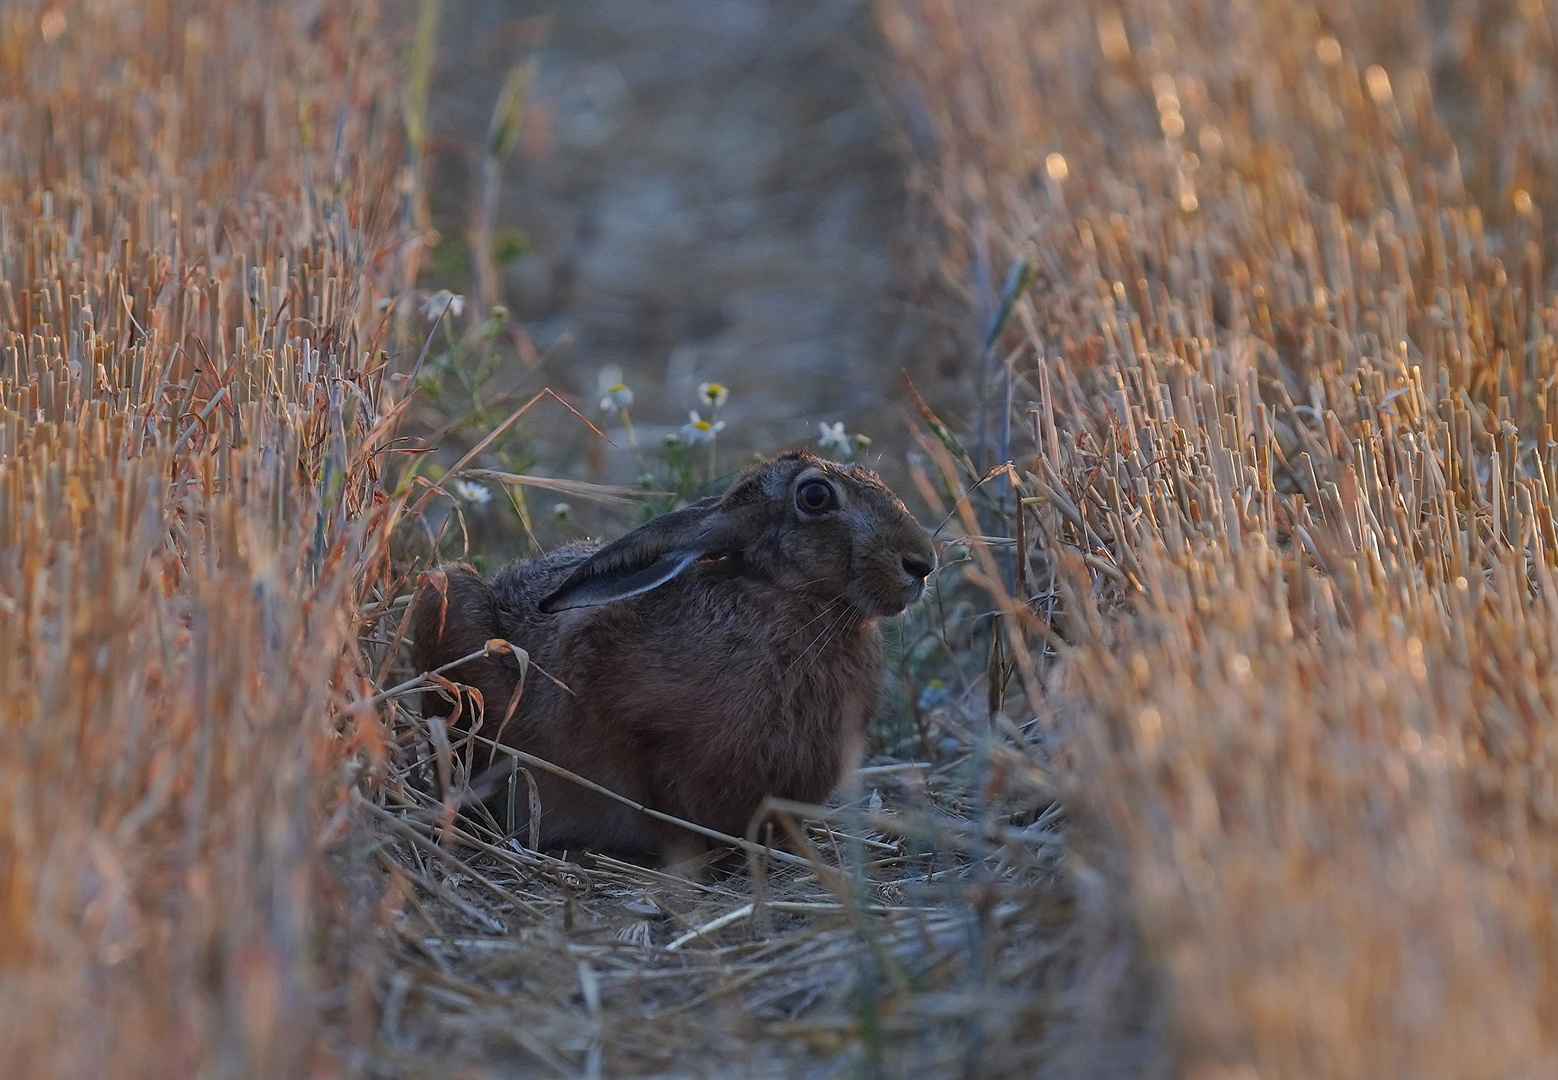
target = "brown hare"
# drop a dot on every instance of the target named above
(715, 655)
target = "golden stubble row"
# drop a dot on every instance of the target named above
(191, 195)
(1282, 424)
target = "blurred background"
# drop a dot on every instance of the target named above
(672, 194)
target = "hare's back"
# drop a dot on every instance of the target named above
(519, 587)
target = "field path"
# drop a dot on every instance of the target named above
(709, 192)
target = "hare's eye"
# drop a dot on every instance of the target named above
(814, 497)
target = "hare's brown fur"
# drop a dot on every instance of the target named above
(751, 670)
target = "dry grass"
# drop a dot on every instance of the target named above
(1283, 426)
(186, 517)
(514, 961)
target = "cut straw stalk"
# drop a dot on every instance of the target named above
(729, 918)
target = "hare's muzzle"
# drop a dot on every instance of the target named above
(913, 568)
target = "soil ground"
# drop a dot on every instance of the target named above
(705, 190)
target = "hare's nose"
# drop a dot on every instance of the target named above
(917, 568)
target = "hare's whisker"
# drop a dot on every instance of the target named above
(838, 627)
(843, 615)
(825, 609)
(809, 646)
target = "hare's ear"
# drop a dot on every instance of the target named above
(647, 557)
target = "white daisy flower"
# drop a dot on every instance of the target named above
(618, 397)
(834, 440)
(713, 394)
(698, 430)
(441, 301)
(472, 493)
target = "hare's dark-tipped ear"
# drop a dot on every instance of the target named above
(647, 557)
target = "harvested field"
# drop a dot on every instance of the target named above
(1224, 746)
(189, 198)
(1284, 389)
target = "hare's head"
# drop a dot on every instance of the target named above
(814, 527)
